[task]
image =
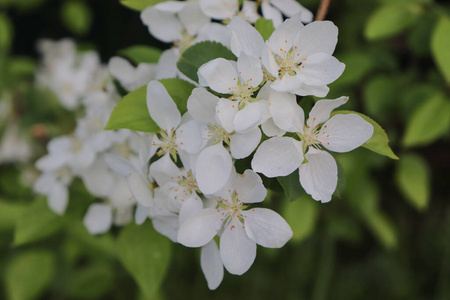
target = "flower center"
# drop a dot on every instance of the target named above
(289, 62)
(166, 143)
(243, 92)
(232, 210)
(187, 185)
(218, 134)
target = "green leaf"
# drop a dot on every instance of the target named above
(440, 45)
(383, 229)
(36, 222)
(413, 179)
(391, 19)
(132, 112)
(9, 212)
(140, 5)
(141, 54)
(195, 56)
(145, 254)
(6, 33)
(90, 282)
(357, 65)
(380, 97)
(379, 142)
(77, 16)
(429, 122)
(291, 186)
(301, 215)
(265, 27)
(29, 274)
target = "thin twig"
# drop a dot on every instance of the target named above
(323, 9)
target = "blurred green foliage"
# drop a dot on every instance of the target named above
(385, 235)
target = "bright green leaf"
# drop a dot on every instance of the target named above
(141, 54)
(36, 222)
(383, 229)
(132, 112)
(413, 179)
(301, 215)
(429, 122)
(145, 254)
(291, 186)
(265, 27)
(29, 274)
(379, 142)
(391, 19)
(201, 53)
(6, 33)
(140, 5)
(77, 16)
(440, 45)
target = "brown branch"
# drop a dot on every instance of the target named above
(323, 9)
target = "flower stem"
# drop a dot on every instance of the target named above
(322, 11)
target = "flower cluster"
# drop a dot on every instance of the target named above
(184, 177)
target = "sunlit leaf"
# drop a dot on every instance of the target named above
(379, 142)
(28, 274)
(141, 54)
(413, 179)
(201, 53)
(145, 254)
(440, 45)
(265, 27)
(139, 4)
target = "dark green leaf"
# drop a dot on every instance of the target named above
(145, 254)
(77, 16)
(291, 186)
(201, 53)
(413, 179)
(90, 282)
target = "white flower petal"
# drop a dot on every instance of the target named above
(220, 75)
(141, 214)
(283, 37)
(202, 105)
(98, 218)
(319, 175)
(219, 9)
(270, 129)
(121, 69)
(192, 18)
(200, 228)
(319, 36)
(163, 25)
(140, 188)
(119, 165)
(244, 37)
(163, 169)
(237, 251)
(322, 109)
(161, 107)
(215, 32)
(243, 144)
(320, 73)
(58, 198)
(226, 111)
(250, 70)
(250, 116)
(307, 90)
(167, 225)
(285, 111)
(271, 13)
(266, 227)
(192, 205)
(250, 188)
(291, 7)
(343, 133)
(167, 64)
(211, 264)
(189, 137)
(278, 156)
(213, 168)
(249, 11)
